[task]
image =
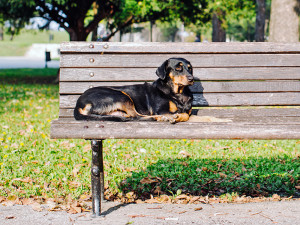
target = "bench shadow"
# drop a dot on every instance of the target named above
(114, 208)
(215, 177)
(199, 99)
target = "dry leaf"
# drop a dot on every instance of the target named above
(37, 207)
(276, 197)
(198, 209)
(2, 199)
(27, 201)
(135, 216)
(223, 175)
(182, 212)
(74, 210)
(148, 180)
(183, 196)
(10, 217)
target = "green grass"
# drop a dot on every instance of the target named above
(20, 44)
(31, 164)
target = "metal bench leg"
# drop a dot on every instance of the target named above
(97, 176)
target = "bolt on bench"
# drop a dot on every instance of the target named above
(255, 86)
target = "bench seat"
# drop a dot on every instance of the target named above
(245, 123)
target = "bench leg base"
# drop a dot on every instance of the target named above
(97, 177)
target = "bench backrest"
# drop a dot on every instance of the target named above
(231, 74)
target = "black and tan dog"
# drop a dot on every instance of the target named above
(166, 99)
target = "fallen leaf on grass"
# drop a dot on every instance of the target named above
(148, 180)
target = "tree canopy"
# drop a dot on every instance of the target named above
(80, 17)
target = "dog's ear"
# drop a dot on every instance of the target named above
(161, 71)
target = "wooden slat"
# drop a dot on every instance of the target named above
(148, 74)
(246, 112)
(154, 47)
(239, 113)
(223, 99)
(197, 60)
(198, 87)
(158, 130)
(236, 116)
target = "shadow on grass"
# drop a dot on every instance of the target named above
(28, 76)
(251, 177)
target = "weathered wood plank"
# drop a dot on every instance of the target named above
(148, 74)
(239, 113)
(197, 60)
(155, 47)
(198, 87)
(158, 130)
(223, 99)
(263, 119)
(250, 112)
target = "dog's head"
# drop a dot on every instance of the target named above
(178, 70)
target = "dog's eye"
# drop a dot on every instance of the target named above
(178, 68)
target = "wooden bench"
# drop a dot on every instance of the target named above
(254, 86)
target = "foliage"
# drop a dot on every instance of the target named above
(238, 17)
(80, 17)
(17, 13)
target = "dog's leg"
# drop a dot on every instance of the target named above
(182, 117)
(172, 118)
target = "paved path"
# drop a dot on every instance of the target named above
(285, 212)
(25, 62)
(34, 58)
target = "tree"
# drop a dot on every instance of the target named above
(16, 13)
(260, 20)
(80, 17)
(229, 14)
(284, 22)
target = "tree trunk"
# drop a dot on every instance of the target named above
(260, 20)
(218, 33)
(1, 33)
(284, 22)
(95, 34)
(76, 35)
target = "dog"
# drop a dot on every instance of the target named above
(167, 99)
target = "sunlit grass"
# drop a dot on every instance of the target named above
(31, 164)
(20, 43)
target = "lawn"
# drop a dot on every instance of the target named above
(20, 44)
(34, 166)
